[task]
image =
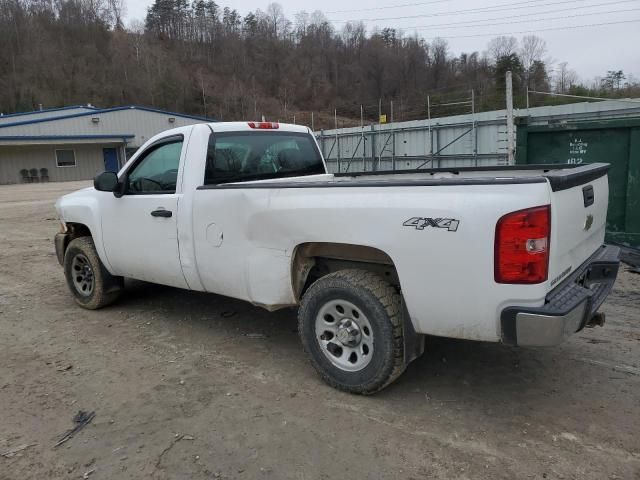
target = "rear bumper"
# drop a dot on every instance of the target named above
(568, 307)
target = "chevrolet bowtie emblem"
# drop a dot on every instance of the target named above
(588, 222)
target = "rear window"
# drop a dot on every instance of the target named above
(245, 156)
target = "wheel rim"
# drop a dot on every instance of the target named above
(344, 335)
(82, 275)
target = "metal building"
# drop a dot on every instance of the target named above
(76, 143)
(606, 131)
(461, 140)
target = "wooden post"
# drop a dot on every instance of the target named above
(510, 127)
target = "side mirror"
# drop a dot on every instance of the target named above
(106, 182)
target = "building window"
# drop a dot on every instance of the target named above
(65, 158)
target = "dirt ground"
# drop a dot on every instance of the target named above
(190, 385)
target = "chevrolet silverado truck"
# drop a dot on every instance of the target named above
(373, 261)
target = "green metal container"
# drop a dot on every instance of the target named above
(612, 141)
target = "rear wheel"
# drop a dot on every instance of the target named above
(350, 324)
(92, 285)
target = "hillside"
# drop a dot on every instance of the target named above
(203, 59)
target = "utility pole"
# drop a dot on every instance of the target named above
(429, 123)
(337, 141)
(204, 96)
(474, 131)
(362, 139)
(393, 137)
(510, 127)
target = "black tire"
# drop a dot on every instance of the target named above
(102, 289)
(382, 308)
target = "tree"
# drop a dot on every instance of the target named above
(501, 47)
(200, 57)
(118, 11)
(531, 53)
(613, 80)
(301, 23)
(537, 76)
(504, 64)
(276, 20)
(565, 78)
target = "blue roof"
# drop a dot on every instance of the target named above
(56, 109)
(104, 110)
(65, 137)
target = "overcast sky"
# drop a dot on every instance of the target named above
(590, 50)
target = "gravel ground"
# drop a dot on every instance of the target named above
(190, 385)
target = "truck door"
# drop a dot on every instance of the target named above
(139, 229)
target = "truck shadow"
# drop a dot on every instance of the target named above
(465, 375)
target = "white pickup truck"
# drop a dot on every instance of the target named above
(374, 261)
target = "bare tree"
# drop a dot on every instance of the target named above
(565, 78)
(532, 49)
(502, 47)
(318, 19)
(136, 36)
(301, 23)
(118, 10)
(278, 23)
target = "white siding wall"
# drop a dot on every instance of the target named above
(89, 162)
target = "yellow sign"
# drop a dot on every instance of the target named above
(383, 118)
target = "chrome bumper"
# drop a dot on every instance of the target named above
(568, 307)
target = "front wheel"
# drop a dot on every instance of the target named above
(92, 285)
(350, 324)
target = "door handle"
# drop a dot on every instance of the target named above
(162, 213)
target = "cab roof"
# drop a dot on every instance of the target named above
(258, 127)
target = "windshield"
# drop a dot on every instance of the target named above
(244, 156)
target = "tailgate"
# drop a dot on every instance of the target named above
(579, 200)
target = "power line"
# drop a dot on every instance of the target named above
(527, 20)
(627, 100)
(495, 8)
(569, 27)
(427, 3)
(470, 23)
(390, 6)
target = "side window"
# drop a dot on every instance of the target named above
(157, 172)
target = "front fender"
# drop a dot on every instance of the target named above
(83, 207)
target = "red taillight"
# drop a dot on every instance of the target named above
(264, 125)
(522, 246)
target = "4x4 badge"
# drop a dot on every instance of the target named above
(420, 223)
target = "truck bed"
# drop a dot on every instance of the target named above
(559, 176)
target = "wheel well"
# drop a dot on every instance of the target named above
(312, 261)
(78, 230)
(74, 230)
